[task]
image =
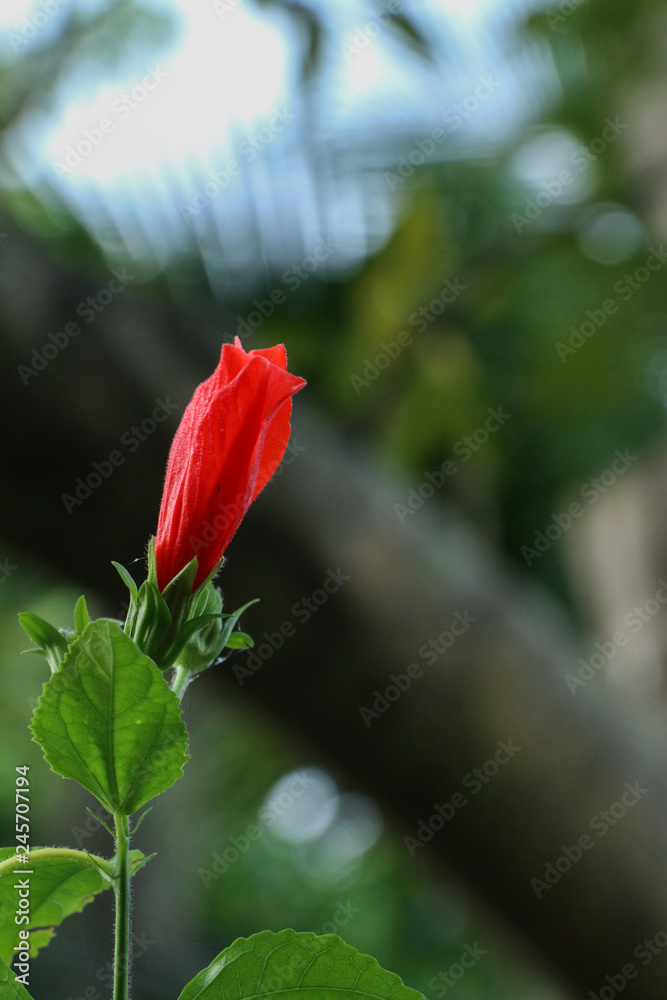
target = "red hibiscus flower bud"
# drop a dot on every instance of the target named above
(229, 443)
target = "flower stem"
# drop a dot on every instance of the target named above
(122, 890)
(180, 681)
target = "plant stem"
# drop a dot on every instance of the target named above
(180, 681)
(122, 890)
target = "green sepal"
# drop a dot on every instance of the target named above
(152, 563)
(153, 619)
(201, 648)
(212, 575)
(158, 618)
(50, 642)
(187, 632)
(178, 593)
(206, 600)
(204, 647)
(176, 627)
(81, 616)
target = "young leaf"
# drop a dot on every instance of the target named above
(301, 966)
(231, 622)
(61, 882)
(48, 639)
(81, 616)
(108, 720)
(9, 988)
(239, 640)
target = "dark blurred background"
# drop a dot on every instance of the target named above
(452, 214)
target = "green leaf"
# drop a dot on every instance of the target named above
(61, 883)
(9, 988)
(108, 720)
(49, 640)
(295, 966)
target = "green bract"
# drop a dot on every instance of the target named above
(206, 645)
(177, 627)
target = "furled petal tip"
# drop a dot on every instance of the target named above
(229, 443)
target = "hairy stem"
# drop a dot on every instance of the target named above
(122, 890)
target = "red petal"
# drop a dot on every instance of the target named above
(230, 441)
